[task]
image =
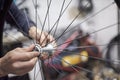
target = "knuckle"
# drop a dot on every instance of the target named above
(15, 66)
(18, 49)
(11, 58)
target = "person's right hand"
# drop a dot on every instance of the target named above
(18, 61)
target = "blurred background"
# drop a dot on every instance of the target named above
(95, 20)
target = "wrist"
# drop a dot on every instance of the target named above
(2, 73)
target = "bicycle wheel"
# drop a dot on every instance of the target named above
(78, 28)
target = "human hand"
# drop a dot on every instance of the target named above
(18, 61)
(42, 37)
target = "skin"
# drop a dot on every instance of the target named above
(21, 60)
(44, 39)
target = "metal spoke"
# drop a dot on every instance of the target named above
(48, 8)
(104, 28)
(57, 20)
(59, 17)
(86, 19)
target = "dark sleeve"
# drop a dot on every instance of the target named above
(19, 19)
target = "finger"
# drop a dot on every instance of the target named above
(52, 41)
(43, 39)
(51, 38)
(25, 56)
(30, 48)
(30, 55)
(25, 66)
(48, 39)
(44, 56)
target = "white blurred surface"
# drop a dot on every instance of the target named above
(103, 19)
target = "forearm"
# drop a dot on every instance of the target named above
(19, 19)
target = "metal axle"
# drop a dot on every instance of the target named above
(48, 49)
